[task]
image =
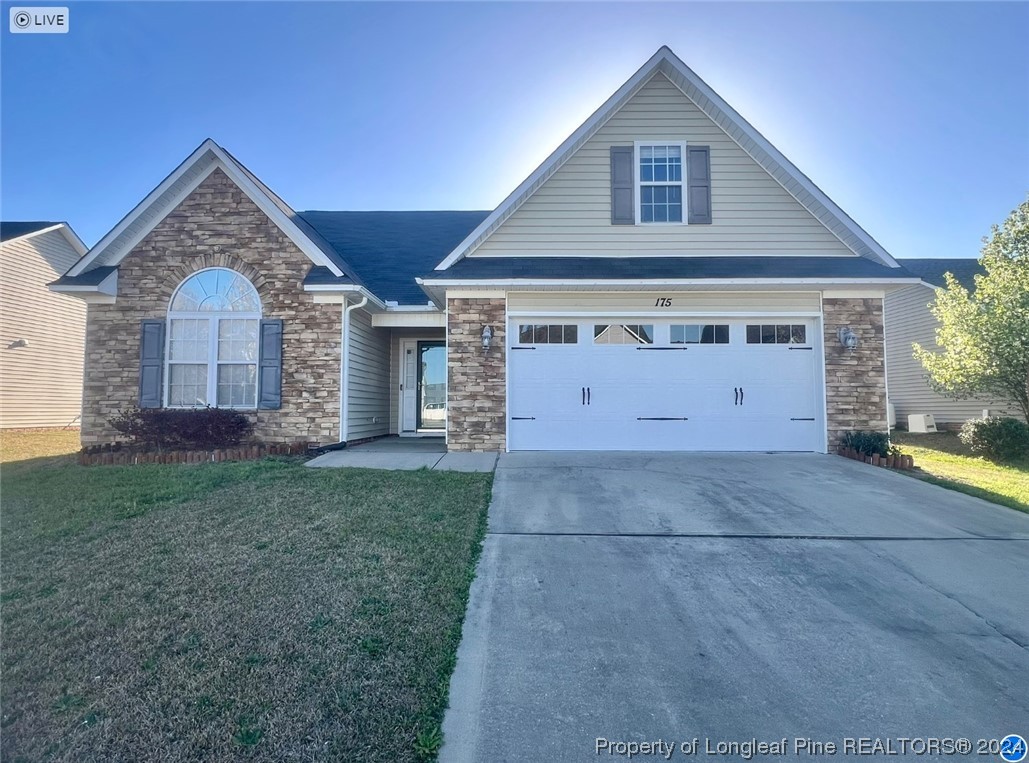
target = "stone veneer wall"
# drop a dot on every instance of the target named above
(476, 381)
(855, 380)
(218, 226)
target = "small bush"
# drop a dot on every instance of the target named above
(997, 438)
(869, 443)
(185, 429)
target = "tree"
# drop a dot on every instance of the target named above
(984, 336)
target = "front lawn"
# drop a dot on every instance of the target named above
(22, 444)
(944, 460)
(258, 611)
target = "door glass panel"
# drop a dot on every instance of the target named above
(624, 333)
(432, 385)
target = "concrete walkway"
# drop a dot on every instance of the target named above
(406, 453)
(636, 597)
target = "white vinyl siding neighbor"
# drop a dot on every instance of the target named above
(368, 406)
(752, 214)
(40, 382)
(908, 320)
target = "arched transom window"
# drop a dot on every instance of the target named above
(213, 325)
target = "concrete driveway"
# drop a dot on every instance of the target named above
(643, 597)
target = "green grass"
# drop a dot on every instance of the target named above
(258, 610)
(24, 444)
(944, 460)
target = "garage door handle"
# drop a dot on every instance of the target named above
(741, 395)
(588, 393)
(662, 348)
(523, 418)
(523, 348)
(584, 396)
(661, 418)
(801, 348)
(793, 419)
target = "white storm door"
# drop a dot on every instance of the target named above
(409, 387)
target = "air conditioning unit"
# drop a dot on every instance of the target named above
(922, 422)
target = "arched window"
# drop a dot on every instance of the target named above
(213, 324)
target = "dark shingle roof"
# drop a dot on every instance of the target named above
(89, 278)
(618, 268)
(9, 230)
(931, 270)
(389, 249)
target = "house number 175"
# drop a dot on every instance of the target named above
(663, 302)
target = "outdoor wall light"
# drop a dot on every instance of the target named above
(847, 337)
(487, 338)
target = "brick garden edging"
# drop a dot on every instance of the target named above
(889, 462)
(111, 455)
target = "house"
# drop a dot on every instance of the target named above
(665, 280)
(909, 320)
(41, 333)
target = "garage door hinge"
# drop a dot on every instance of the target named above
(523, 418)
(662, 348)
(523, 348)
(795, 419)
(661, 418)
(801, 348)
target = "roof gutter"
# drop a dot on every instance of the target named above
(654, 282)
(346, 289)
(344, 368)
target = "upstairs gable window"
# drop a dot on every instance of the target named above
(660, 182)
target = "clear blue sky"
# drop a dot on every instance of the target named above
(913, 117)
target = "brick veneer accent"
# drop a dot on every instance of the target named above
(217, 226)
(855, 380)
(476, 406)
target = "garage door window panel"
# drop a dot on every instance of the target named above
(537, 333)
(700, 333)
(777, 333)
(623, 333)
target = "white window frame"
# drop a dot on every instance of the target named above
(214, 317)
(639, 184)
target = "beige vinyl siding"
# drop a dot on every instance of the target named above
(396, 370)
(736, 302)
(368, 383)
(41, 384)
(908, 320)
(570, 214)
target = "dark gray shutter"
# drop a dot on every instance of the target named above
(623, 205)
(151, 363)
(269, 366)
(698, 179)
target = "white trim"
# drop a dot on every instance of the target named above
(108, 287)
(823, 385)
(665, 313)
(854, 293)
(599, 285)
(446, 388)
(211, 152)
(638, 181)
(507, 374)
(713, 106)
(649, 254)
(432, 320)
(476, 293)
(344, 390)
(886, 370)
(328, 289)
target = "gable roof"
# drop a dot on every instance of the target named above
(721, 113)
(390, 249)
(12, 230)
(207, 158)
(9, 230)
(931, 270)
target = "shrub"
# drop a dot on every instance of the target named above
(186, 429)
(997, 438)
(869, 443)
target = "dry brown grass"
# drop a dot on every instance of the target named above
(257, 611)
(23, 444)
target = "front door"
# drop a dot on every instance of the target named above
(424, 393)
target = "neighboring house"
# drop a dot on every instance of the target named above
(666, 279)
(909, 320)
(41, 333)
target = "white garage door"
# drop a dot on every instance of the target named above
(685, 384)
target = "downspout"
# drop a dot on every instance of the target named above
(344, 381)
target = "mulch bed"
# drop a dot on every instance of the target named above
(888, 462)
